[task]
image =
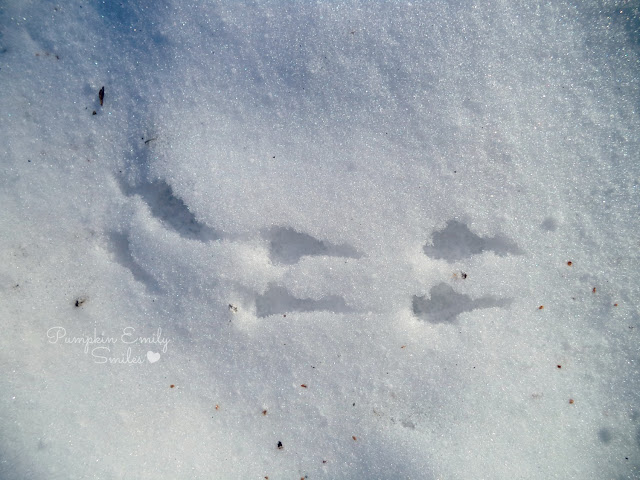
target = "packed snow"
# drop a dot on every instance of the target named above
(319, 240)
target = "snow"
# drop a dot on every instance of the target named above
(401, 239)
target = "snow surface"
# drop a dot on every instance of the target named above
(341, 226)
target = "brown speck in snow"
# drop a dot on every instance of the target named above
(101, 96)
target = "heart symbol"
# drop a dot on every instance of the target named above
(153, 357)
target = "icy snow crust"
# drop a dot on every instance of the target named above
(352, 222)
